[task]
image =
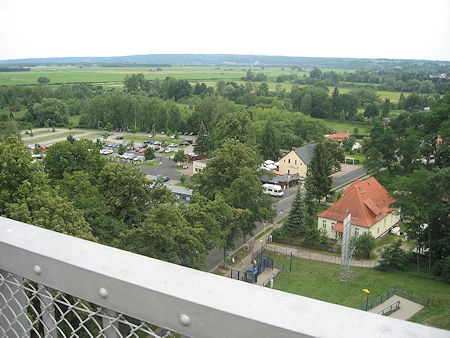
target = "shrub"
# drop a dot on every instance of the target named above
(442, 269)
(393, 257)
(278, 232)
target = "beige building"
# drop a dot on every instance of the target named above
(368, 202)
(297, 160)
(199, 165)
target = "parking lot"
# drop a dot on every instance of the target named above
(166, 167)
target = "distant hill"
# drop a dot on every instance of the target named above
(219, 59)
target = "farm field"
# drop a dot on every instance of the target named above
(114, 76)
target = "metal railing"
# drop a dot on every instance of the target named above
(387, 311)
(53, 285)
(279, 267)
(399, 292)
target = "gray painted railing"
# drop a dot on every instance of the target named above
(56, 285)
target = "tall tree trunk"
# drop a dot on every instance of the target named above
(224, 258)
(429, 249)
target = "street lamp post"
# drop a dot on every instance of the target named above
(367, 301)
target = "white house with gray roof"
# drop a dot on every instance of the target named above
(297, 160)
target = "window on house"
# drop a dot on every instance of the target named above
(289, 160)
(295, 161)
(332, 225)
(378, 230)
(324, 224)
(356, 231)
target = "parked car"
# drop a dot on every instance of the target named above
(162, 150)
(173, 145)
(193, 154)
(189, 141)
(30, 146)
(184, 143)
(173, 136)
(166, 178)
(157, 177)
(143, 150)
(169, 150)
(157, 143)
(28, 132)
(119, 138)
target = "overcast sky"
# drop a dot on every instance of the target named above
(395, 29)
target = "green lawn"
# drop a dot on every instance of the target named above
(341, 127)
(321, 281)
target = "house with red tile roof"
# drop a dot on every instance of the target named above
(338, 137)
(368, 202)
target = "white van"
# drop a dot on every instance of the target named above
(273, 190)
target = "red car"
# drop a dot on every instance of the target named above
(143, 150)
(44, 147)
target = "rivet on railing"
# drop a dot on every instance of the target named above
(185, 320)
(37, 270)
(103, 293)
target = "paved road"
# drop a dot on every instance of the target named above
(215, 256)
(345, 178)
(348, 174)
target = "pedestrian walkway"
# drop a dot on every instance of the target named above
(406, 310)
(320, 257)
(257, 243)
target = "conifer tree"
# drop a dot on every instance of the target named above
(318, 179)
(296, 222)
(270, 142)
(202, 144)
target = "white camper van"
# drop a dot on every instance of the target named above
(273, 190)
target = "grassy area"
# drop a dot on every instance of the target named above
(264, 232)
(321, 281)
(341, 127)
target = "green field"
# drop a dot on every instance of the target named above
(114, 76)
(321, 281)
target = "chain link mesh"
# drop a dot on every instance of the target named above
(28, 309)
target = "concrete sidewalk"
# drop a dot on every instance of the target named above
(407, 308)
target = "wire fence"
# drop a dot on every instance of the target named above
(31, 309)
(315, 256)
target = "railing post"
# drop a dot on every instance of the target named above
(13, 317)
(47, 312)
(111, 329)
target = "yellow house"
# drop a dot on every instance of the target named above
(368, 202)
(297, 160)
